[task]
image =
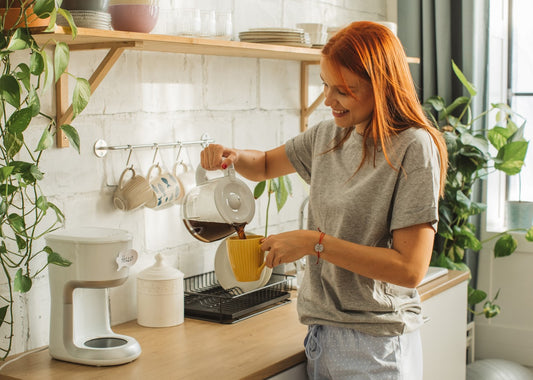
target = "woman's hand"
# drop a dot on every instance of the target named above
(289, 246)
(216, 156)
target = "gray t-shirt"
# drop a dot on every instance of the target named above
(363, 208)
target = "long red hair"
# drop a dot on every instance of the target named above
(374, 53)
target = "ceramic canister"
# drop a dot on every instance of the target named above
(160, 295)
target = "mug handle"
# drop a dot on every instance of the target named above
(149, 175)
(123, 174)
(260, 269)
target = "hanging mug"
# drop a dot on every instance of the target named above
(133, 193)
(186, 177)
(165, 188)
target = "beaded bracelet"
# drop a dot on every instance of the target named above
(319, 247)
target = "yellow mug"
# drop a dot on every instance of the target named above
(246, 258)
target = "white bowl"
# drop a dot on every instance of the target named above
(312, 27)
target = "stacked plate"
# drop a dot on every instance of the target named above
(276, 36)
(88, 19)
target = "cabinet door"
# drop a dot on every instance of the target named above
(298, 372)
(444, 334)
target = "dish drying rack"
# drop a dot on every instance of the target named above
(206, 299)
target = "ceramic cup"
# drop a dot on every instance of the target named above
(133, 193)
(186, 176)
(246, 258)
(165, 187)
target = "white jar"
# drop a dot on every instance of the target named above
(160, 295)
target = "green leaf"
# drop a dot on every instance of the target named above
(22, 283)
(6, 190)
(48, 70)
(43, 8)
(17, 223)
(34, 103)
(505, 246)
(511, 157)
(46, 141)
(19, 121)
(72, 135)
(529, 234)
(437, 103)
(5, 172)
(36, 173)
(3, 312)
(81, 96)
(56, 259)
(23, 74)
(10, 90)
(281, 193)
(66, 14)
(469, 86)
(21, 242)
(42, 203)
(19, 41)
(497, 137)
(37, 63)
(59, 214)
(259, 189)
(475, 296)
(490, 309)
(61, 59)
(13, 143)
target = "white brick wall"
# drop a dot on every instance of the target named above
(156, 97)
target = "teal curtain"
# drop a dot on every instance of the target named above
(439, 31)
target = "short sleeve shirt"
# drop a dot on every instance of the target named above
(363, 207)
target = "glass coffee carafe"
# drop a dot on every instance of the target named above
(217, 207)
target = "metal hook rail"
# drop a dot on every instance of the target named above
(101, 148)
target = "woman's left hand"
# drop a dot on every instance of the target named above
(287, 247)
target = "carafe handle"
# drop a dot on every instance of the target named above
(201, 174)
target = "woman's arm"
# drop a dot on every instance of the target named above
(404, 264)
(254, 165)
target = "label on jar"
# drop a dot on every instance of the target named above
(158, 287)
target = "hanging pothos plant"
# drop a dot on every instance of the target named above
(470, 161)
(26, 215)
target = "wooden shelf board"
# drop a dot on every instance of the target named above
(178, 44)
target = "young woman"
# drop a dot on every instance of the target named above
(376, 171)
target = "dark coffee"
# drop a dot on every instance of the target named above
(212, 231)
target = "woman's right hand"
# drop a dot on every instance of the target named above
(215, 157)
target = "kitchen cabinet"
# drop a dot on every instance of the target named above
(266, 345)
(444, 333)
(118, 41)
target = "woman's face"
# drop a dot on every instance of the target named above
(347, 110)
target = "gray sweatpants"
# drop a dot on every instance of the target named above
(340, 353)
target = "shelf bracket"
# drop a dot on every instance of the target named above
(305, 109)
(64, 111)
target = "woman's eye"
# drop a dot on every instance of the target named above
(324, 84)
(341, 93)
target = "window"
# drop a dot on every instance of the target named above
(520, 94)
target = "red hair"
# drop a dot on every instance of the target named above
(373, 52)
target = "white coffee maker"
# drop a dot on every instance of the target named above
(80, 330)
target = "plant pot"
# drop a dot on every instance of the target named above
(13, 14)
(519, 214)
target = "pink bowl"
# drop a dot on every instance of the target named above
(134, 17)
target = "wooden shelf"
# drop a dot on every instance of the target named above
(97, 39)
(117, 42)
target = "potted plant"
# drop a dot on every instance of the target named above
(25, 213)
(281, 187)
(470, 160)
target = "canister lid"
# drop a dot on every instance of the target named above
(90, 235)
(160, 271)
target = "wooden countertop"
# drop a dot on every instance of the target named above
(251, 349)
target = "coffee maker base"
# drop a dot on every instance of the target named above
(101, 351)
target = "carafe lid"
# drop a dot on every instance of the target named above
(234, 200)
(160, 271)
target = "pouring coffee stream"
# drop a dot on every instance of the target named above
(216, 208)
